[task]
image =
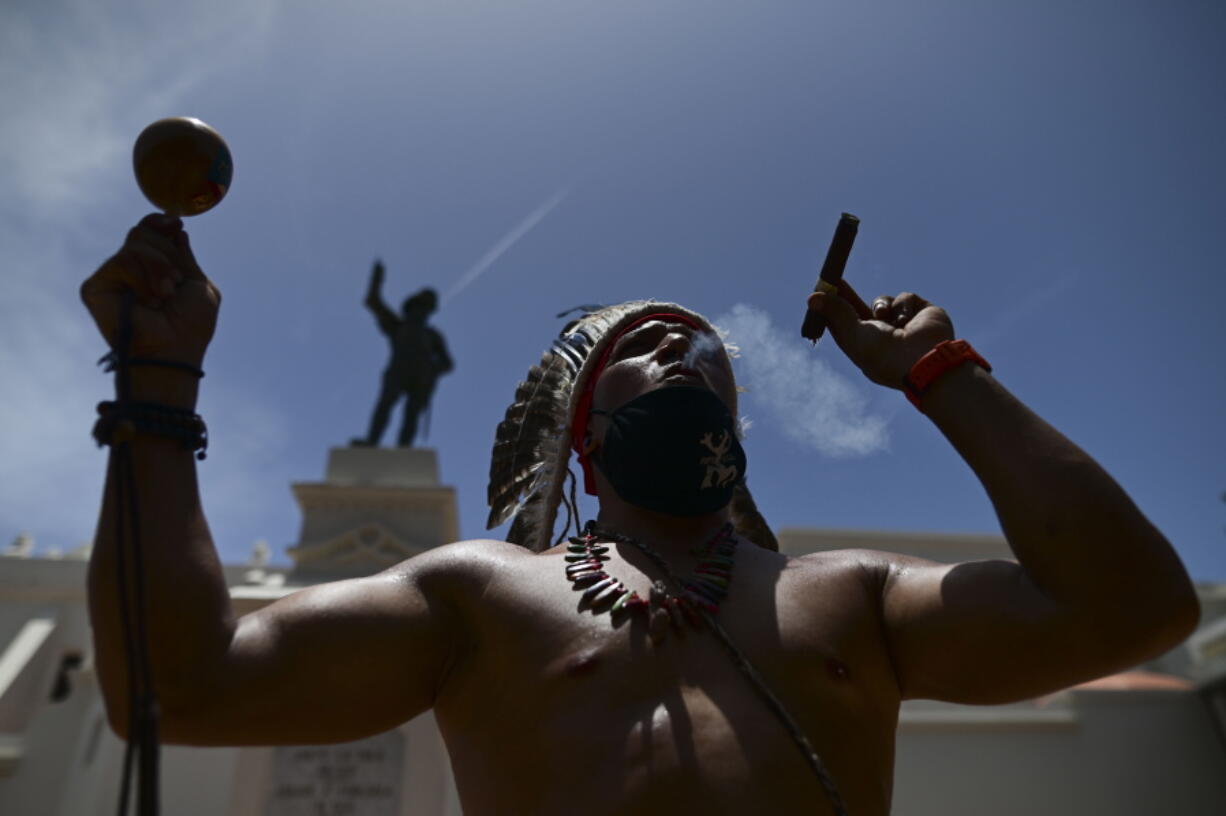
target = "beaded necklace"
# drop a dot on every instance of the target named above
(705, 590)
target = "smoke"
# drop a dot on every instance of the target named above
(797, 391)
(704, 344)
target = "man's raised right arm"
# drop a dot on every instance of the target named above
(330, 663)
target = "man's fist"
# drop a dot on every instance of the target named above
(886, 343)
(175, 306)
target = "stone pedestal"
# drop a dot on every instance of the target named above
(401, 772)
(360, 778)
(375, 508)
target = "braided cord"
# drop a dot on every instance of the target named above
(746, 668)
(143, 744)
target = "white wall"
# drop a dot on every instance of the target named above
(1122, 753)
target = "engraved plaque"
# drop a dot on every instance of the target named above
(352, 779)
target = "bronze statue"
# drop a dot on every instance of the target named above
(419, 358)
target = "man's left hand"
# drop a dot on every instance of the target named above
(886, 343)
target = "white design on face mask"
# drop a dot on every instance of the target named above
(719, 473)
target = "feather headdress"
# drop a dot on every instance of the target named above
(533, 443)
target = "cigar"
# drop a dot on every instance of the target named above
(832, 273)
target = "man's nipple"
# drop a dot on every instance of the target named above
(837, 669)
(582, 663)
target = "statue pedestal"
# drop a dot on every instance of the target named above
(375, 508)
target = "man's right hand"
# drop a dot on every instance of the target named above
(174, 310)
(886, 343)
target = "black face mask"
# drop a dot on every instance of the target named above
(673, 450)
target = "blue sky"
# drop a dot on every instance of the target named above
(1051, 173)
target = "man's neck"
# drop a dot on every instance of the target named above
(671, 536)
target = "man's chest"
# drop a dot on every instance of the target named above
(814, 641)
(674, 705)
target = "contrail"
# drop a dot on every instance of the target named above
(506, 242)
(1023, 308)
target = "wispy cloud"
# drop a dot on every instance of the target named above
(77, 76)
(50, 479)
(799, 394)
(506, 242)
(77, 80)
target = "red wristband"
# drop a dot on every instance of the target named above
(927, 369)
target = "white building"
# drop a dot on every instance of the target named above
(1152, 741)
(1146, 741)
(375, 508)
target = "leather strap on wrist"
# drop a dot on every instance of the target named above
(120, 421)
(929, 368)
(111, 361)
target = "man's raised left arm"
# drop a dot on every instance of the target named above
(1096, 587)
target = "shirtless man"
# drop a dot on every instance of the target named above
(550, 708)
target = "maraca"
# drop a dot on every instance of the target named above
(182, 165)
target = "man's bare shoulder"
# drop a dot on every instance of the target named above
(463, 566)
(868, 567)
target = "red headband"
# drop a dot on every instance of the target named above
(583, 410)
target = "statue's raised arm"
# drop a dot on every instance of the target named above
(374, 301)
